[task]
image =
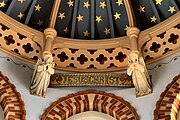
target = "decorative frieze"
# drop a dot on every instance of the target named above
(93, 79)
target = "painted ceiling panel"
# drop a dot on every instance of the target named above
(101, 19)
(34, 13)
(81, 24)
(40, 15)
(120, 18)
(151, 12)
(4, 4)
(177, 2)
(95, 19)
(64, 19)
(19, 10)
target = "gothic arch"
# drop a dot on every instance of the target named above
(10, 100)
(90, 101)
(167, 98)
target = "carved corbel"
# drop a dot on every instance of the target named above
(137, 67)
(44, 67)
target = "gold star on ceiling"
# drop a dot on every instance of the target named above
(2, 4)
(66, 30)
(153, 19)
(80, 18)
(102, 5)
(21, 1)
(141, 9)
(98, 19)
(86, 33)
(61, 16)
(126, 28)
(21, 16)
(119, 2)
(86, 4)
(158, 2)
(40, 23)
(117, 16)
(107, 31)
(38, 7)
(70, 3)
(171, 9)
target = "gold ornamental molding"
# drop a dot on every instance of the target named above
(90, 56)
(93, 79)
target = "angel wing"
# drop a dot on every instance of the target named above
(39, 61)
(50, 68)
(141, 61)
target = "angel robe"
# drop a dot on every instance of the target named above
(140, 78)
(41, 78)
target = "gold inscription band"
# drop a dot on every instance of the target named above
(92, 79)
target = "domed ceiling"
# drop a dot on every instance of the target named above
(91, 34)
(90, 19)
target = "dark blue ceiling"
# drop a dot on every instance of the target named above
(92, 19)
(89, 19)
(34, 13)
(151, 12)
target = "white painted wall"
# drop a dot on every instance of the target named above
(1, 114)
(20, 77)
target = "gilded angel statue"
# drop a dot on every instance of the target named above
(137, 68)
(41, 76)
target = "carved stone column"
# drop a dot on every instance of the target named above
(44, 67)
(133, 33)
(50, 34)
(137, 67)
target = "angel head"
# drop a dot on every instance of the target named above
(47, 56)
(133, 56)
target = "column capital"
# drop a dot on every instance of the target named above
(50, 33)
(133, 32)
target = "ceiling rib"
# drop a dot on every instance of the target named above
(54, 13)
(30, 12)
(92, 20)
(73, 28)
(155, 11)
(110, 18)
(10, 7)
(130, 13)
